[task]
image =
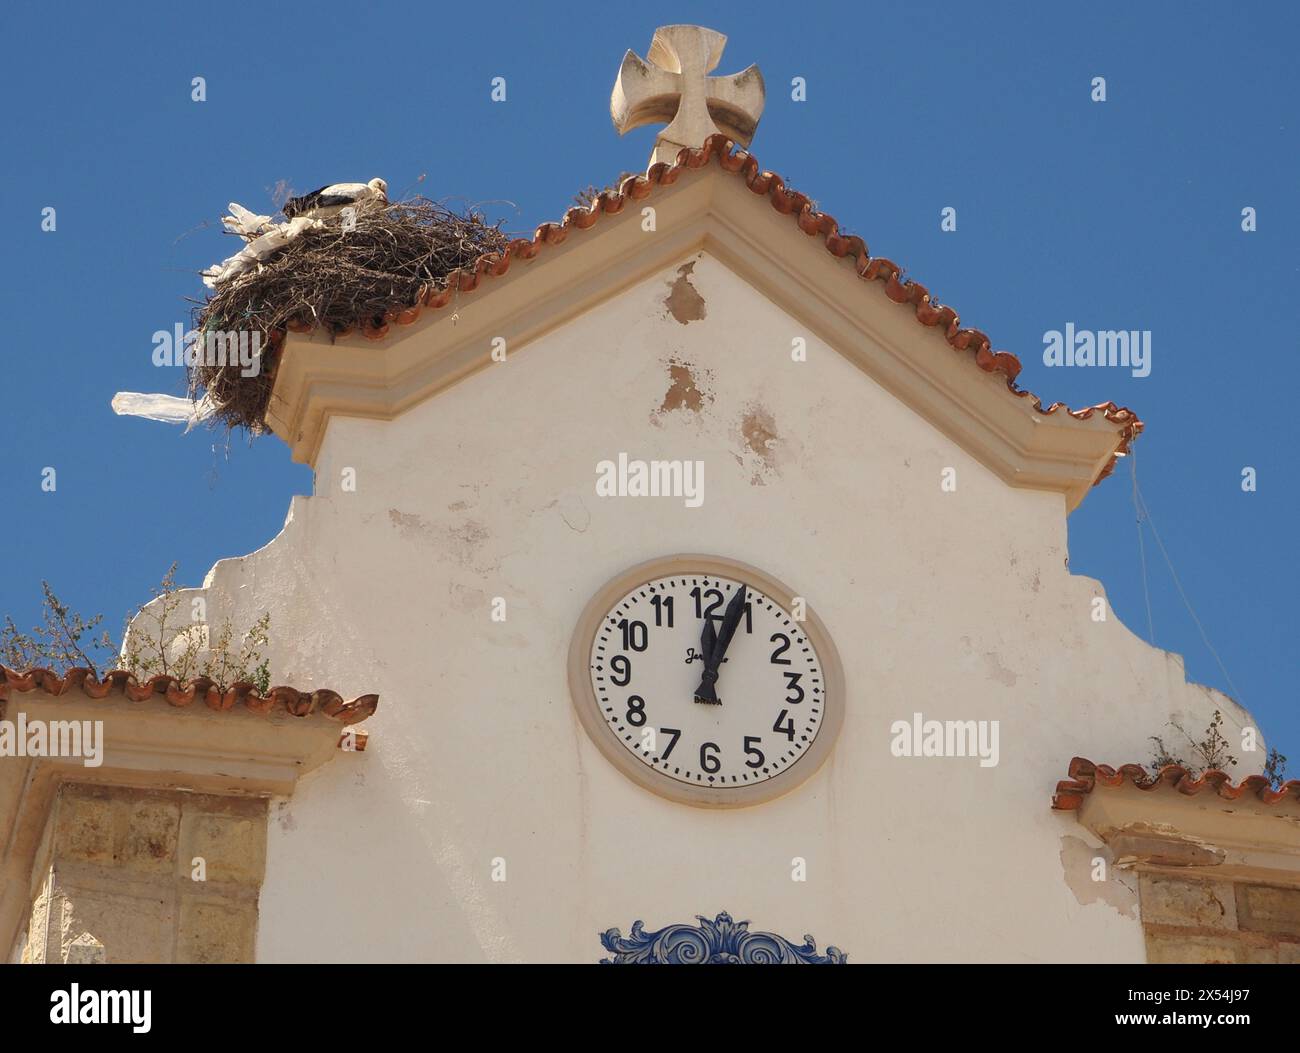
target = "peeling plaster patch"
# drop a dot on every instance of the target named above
(464, 541)
(997, 671)
(684, 391)
(758, 433)
(682, 301)
(464, 599)
(1118, 891)
(408, 523)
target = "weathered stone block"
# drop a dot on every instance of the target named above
(121, 886)
(132, 929)
(84, 950)
(1264, 908)
(1172, 901)
(38, 927)
(1260, 955)
(85, 827)
(152, 833)
(1288, 953)
(1166, 949)
(215, 932)
(233, 846)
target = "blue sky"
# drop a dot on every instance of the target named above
(1117, 215)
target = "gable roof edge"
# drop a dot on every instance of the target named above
(301, 422)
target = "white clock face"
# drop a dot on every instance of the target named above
(647, 662)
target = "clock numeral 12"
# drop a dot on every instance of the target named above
(707, 612)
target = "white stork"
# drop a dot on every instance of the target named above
(332, 199)
(266, 238)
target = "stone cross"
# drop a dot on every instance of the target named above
(674, 88)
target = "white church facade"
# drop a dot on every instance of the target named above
(683, 562)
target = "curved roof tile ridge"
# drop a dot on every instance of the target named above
(1085, 775)
(181, 693)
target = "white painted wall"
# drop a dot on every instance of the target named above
(957, 605)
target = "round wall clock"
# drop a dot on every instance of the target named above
(696, 679)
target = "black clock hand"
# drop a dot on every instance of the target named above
(708, 640)
(713, 648)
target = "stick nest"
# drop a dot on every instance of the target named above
(334, 280)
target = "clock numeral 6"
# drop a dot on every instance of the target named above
(709, 761)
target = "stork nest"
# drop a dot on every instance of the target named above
(333, 280)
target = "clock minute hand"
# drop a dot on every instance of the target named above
(713, 648)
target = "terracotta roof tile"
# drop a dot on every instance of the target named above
(721, 150)
(1084, 775)
(186, 693)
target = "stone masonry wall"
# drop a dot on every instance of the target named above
(1200, 920)
(151, 876)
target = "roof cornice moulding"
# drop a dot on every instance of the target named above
(1174, 823)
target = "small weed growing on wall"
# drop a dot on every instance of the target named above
(1211, 752)
(1275, 768)
(168, 640)
(66, 639)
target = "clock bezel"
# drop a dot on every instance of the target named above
(588, 706)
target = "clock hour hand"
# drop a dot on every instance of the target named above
(713, 647)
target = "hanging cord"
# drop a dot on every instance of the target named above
(1145, 513)
(1142, 549)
